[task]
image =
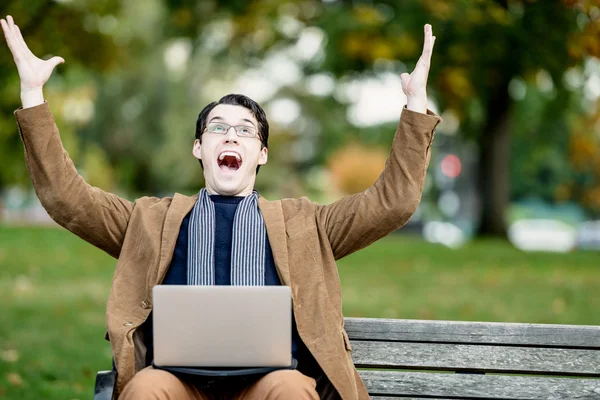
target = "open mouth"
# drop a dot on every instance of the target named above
(229, 161)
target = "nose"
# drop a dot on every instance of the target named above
(231, 136)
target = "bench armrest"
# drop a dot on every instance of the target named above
(105, 384)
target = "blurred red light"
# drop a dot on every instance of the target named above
(451, 166)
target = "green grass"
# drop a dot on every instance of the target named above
(54, 289)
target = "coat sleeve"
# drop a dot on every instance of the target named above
(356, 221)
(96, 216)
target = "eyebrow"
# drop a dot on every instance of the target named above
(222, 119)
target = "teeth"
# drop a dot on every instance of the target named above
(230, 153)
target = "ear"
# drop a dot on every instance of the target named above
(264, 156)
(196, 151)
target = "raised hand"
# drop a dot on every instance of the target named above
(33, 71)
(414, 85)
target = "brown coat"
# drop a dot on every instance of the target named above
(306, 239)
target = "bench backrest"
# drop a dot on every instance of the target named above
(474, 360)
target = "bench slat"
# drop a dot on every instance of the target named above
(512, 334)
(461, 386)
(438, 356)
(406, 398)
(409, 398)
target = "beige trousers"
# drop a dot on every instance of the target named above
(157, 384)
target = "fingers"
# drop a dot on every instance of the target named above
(428, 43)
(21, 41)
(11, 28)
(4, 28)
(428, 35)
(56, 60)
(15, 46)
(8, 35)
(427, 46)
(404, 78)
(15, 41)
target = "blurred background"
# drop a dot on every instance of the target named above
(509, 225)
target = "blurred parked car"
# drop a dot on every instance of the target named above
(588, 235)
(542, 235)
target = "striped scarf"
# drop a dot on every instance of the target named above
(247, 247)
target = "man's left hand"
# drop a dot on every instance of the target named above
(414, 85)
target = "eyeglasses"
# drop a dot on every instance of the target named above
(221, 128)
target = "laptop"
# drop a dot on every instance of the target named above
(222, 326)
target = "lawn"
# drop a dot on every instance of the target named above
(55, 288)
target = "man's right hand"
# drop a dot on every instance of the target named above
(33, 71)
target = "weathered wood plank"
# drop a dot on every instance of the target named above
(478, 387)
(409, 398)
(512, 334)
(438, 356)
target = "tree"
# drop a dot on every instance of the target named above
(145, 105)
(51, 28)
(483, 48)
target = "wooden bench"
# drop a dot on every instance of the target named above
(419, 359)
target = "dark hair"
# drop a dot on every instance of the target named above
(237, 100)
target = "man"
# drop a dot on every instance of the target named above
(193, 240)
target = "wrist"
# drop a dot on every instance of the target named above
(31, 97)
(417, 103)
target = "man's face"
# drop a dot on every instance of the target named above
(230, 161)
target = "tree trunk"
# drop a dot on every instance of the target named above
(494, 163)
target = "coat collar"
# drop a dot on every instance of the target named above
(272, 213)
(180, 206)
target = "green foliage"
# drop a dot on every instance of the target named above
(539, 160)
(121, 57)
(51, 28)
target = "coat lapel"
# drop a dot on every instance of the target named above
(272, 213)
(179, 208)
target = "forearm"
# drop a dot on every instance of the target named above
(96, 216)
(356, 221)
(32, 97)
(398, 189)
